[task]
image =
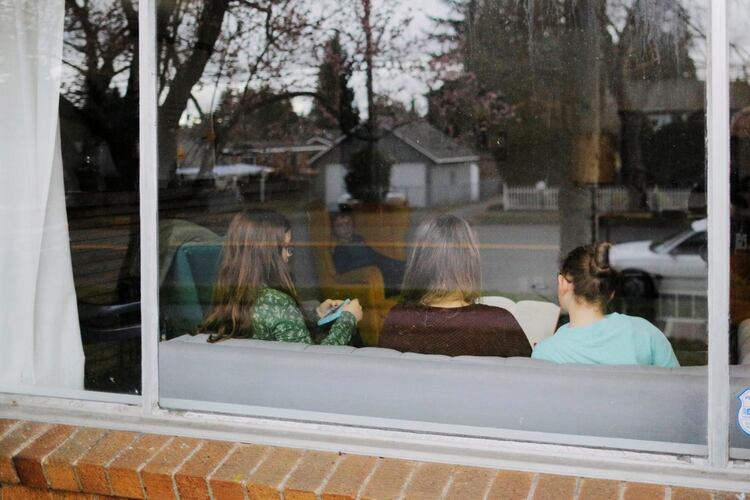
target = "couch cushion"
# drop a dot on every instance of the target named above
(632, 402)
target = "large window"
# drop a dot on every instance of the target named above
(491, 219)
(99, 137)
(544, 128)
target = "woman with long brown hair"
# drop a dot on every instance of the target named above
(586, 285)
(254, 295)
(438, 313)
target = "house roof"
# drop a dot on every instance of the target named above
(425, 139)
(676, 95)
(432, 143)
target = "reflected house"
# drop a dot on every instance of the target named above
(663, 130)
(289, 159)
(429, 168)
(292, 159)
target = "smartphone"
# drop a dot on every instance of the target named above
(333, 314)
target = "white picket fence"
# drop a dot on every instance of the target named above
(608, 199)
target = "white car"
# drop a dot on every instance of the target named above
(675, 264)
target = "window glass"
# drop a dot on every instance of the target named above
(99, 136)
(69, 153)
(437, 161)
(739, 260)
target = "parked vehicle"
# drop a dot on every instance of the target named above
(675, 264)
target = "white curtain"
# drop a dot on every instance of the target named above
(40, 342)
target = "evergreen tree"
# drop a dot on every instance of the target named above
(369, 173)
(561, 65)
(337, 109)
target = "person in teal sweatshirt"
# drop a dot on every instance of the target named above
(585, 286)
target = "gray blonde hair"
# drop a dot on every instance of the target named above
(444, 261)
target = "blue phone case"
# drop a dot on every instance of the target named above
(333, 315)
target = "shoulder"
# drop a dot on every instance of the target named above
(403, 317)
(544, 347)
(561, 335)
(490, 316)
(402, 310)
(636, 324)
(485, 310)
(272, 297)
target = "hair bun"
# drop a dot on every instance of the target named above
(600, 260)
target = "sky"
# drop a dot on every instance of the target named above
(396, 84)
(410, 88)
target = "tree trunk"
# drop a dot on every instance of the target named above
(371, 113)
(584, 96)
(186, 76)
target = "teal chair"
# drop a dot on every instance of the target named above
(185, 296)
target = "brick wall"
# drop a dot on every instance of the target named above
(65, 462)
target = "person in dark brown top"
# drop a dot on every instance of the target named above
(437, 313)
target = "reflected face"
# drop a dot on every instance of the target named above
(287, 250)
(343, 227)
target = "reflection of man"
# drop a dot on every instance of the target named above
(351, 252)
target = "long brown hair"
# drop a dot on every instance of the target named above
(594, 280)
(444, 261)
(251, 259)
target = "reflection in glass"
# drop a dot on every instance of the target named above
(739, 260)
(546, 124)
(99, 131)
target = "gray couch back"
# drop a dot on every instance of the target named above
(515, 394)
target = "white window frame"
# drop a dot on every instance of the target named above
(716, 471)
(717, 191)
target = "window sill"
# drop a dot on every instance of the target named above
(530, 457)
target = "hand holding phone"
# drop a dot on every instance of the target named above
(333, 313)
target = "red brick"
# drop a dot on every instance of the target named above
(158, 472)
(429, 481)
(389, 479)
(18, 492)
(123, 470)
(599, 489)
(71, 495)
(90, 468)
(6, 425)
(511, 485)
(229, 480)
(59, 465)
(350, 473)
(639, 491)
(191, 478)
(551, 487)
(14, 440)
(74, 495)
(29, 460)
(309, 475)
(266, 483)
(690, 494)
(728, 495)
(469, 482)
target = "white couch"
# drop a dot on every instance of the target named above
(515, 394)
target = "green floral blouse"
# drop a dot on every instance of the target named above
(277, 317)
